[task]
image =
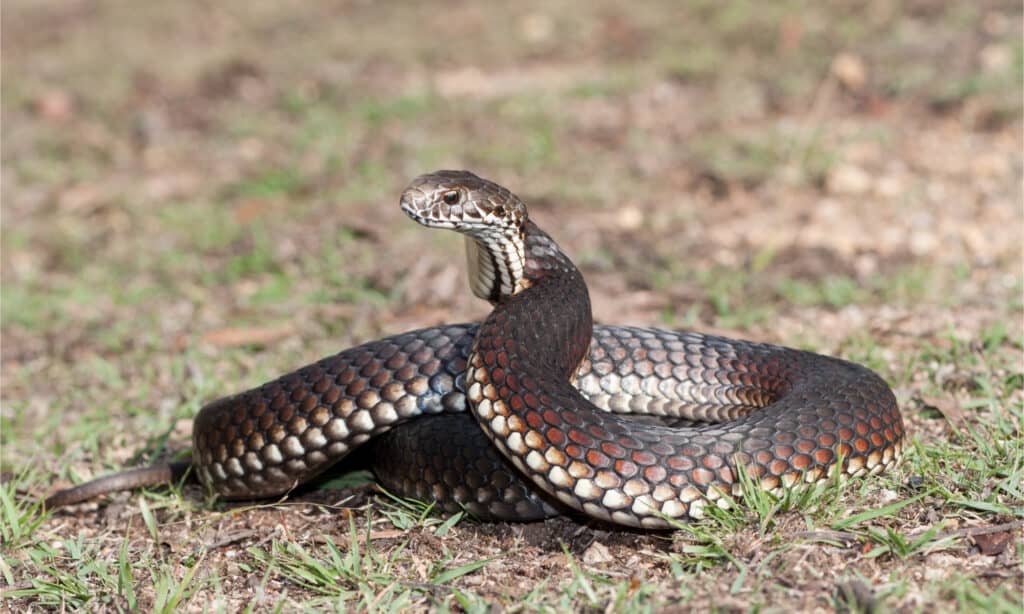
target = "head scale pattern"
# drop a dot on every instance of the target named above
(492, 219)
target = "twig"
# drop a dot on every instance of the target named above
(846, 536)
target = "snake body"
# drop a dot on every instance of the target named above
(551, 394)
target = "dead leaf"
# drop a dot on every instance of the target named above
(235, 337)
(948, 407)
(251, 209)
(992, 544)
(387, 534)
(56, 106)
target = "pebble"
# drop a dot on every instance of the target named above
(850, 70)
(597, 553)
(848, 179)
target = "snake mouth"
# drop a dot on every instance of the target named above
(425, 218)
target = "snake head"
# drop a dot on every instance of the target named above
(465, 203)
(492, 219)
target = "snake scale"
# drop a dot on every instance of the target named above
(633, 426)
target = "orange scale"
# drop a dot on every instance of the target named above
(801, 461)
(572, 419)
(753, 470)
(712, 461)
(581, 438)
(679, 463)
(805, 445)
(725, 475)
(655, 474)
(596, 459)
(612, 450)
(643, 457)
(783, 451)
(534, 420)
(626, 468)
(702, 476)
(824, 457)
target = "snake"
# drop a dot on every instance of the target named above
(536, 411)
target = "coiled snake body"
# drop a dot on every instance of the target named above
(550, 393)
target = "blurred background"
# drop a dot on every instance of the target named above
(198, 196)
(172, 169)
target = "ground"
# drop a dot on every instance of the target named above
(198, 197)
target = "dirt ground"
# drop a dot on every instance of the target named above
(198, 197)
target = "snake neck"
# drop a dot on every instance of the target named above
(504, 265)
(548, 309)
(496, 266)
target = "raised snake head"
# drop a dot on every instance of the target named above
(491, 217)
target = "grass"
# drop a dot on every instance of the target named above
(359, 576)
(266, 201)
(974, 476)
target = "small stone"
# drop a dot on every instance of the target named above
(597, 553)
(630, 218)
(995, 58)
(990, 166)
(537, 28)
(889, 186)
(849, 69)
(888, 496)
(923, 242)
(934, 573)
(848, 179)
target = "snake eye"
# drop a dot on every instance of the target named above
(451, 198)
(499, 210)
